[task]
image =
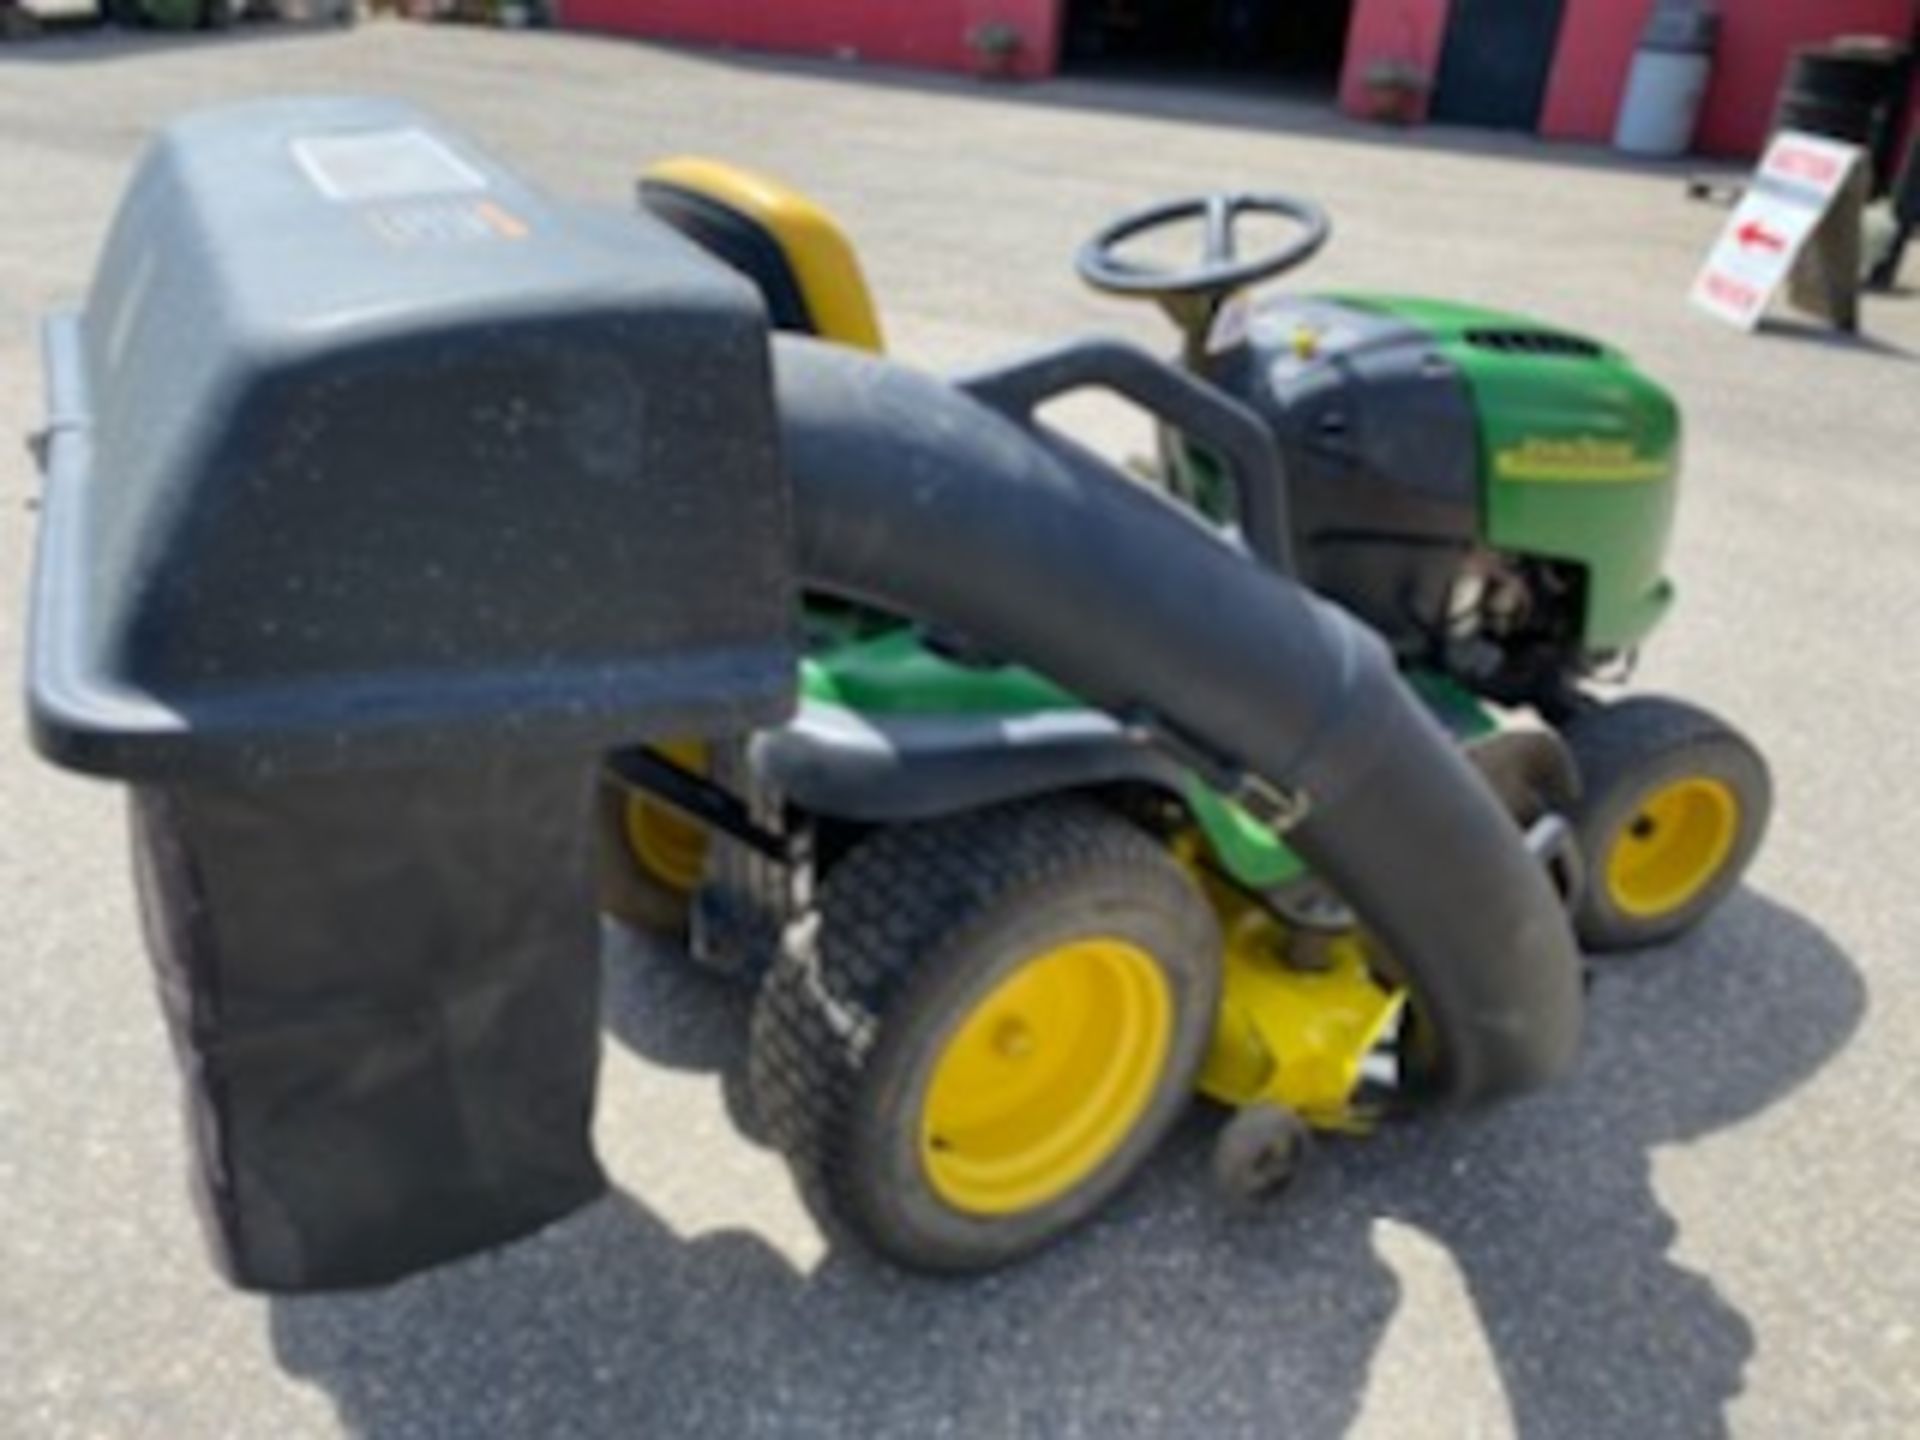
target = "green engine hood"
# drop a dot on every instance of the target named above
(1580, 455)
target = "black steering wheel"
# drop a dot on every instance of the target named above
(1221, 271)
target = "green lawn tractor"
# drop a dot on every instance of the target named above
(1001, 932)
(397, 515)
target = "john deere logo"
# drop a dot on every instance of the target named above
(1584, 459)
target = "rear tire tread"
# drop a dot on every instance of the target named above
(895, 903)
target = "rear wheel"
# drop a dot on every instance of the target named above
(1001, 1015)
(1674, 804)
(652, 857)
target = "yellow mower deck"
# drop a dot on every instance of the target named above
(1291, 1036)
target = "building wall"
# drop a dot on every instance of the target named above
(931, 33)
(1589, 78)
(1410, 31)
(1758, 38)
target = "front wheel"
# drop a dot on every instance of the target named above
(1001, 1015)
(1673, 807)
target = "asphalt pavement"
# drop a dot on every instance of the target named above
(1710, 1228)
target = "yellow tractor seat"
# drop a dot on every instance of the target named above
(785, 243)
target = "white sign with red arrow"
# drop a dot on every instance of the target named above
(1795, 187)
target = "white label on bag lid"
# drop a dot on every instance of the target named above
(384, 165)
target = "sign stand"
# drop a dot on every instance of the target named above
(1800, 226)
(1827, 279)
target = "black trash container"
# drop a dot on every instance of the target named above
(382, 496)
(1853, 90)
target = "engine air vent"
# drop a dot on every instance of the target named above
(1534, 342)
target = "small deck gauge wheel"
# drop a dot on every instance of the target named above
(1260, 1154)
(651, 856)
(1673, 807)
(999, 1018)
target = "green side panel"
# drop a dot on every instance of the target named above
(1247, 850)
(1580, 461)
(894, 673)
(1257, 858)
(1452, 704)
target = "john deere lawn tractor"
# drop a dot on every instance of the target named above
(1001, 932)
(396, 513)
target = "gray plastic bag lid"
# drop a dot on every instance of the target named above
(363, 451)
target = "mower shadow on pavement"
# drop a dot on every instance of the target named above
(1168, 1317)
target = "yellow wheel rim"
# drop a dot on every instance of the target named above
(1046, 1077)
(666, 844)
(1673, 847)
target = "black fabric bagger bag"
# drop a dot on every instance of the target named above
(387, 1006)
(383, 496)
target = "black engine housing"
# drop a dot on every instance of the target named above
(1381, 445)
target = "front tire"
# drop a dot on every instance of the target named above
(1001, 1015)
(1674, 805)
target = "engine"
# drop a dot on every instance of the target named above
(1492, 495)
